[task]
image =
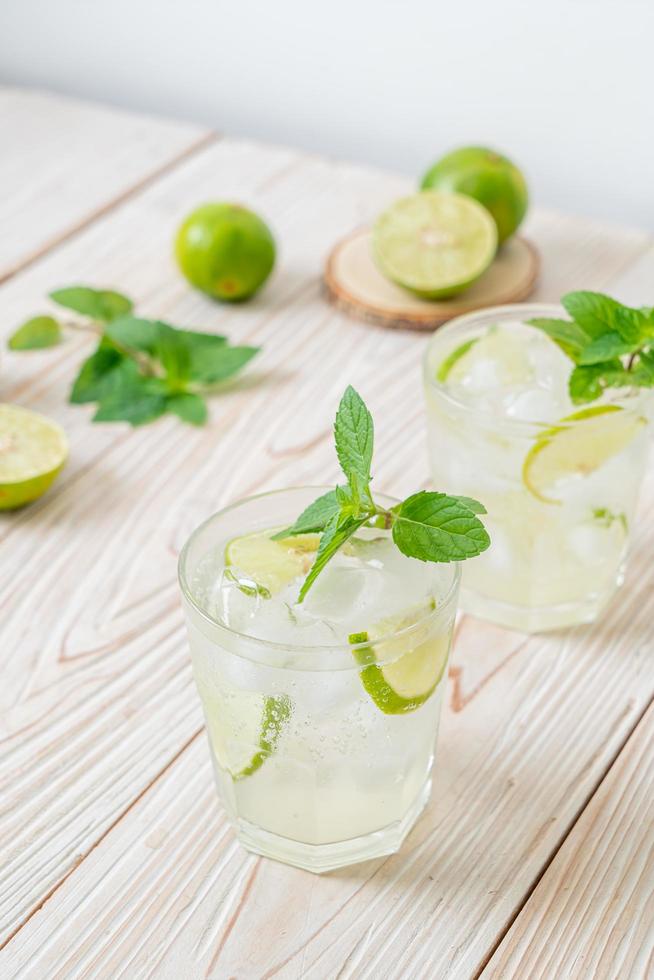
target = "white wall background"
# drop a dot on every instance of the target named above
(566, 87)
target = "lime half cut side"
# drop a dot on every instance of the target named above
(272, 564)
(33, 449)
(402, 684)
(434, 244)
(578, 446)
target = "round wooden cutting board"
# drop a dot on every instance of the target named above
(354, 284)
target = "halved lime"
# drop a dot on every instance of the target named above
(489, 177)
(33, 449)
(434, 244)
(406, 682)
(272, 564)
(577, 446)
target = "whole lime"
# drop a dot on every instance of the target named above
(225, 250)
(489, 177)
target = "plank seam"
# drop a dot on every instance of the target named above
(37, 908)
(571, 826)
(51, 245)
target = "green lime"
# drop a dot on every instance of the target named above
(272, 564)
(434, 244)
(489, 178)
(225, 250)
(408, 677)
(33, 449)
(578, 449)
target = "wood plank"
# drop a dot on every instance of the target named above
(592, 915)
(63, 162)
(99, 701)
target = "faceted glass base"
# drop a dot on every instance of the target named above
(320, 858)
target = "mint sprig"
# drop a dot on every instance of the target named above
(427, 525)
(141, 369)
(611, 345)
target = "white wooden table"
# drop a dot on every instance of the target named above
(535, 857)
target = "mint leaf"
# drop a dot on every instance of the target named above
(436, 527)
(195, 338)
(598, 314)
(313, 518)
(354, 438)
(188, 407)
(470, 503)
(605, 348)
(96, 376)
(134, 399)
(570, 337)
(174, 356)
(333, 537)
(134, 332)
(212, 363)
(588, 382)
(100, 304)
(36, 333)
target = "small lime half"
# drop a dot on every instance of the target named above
(577, 446)
(401, 685)
(434, 244)
(272, 564)
(33, 449)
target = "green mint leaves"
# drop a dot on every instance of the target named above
(141, 369)
(354, 438)
(611, 345)
(428, 526)
(38, 332)
(99, 304)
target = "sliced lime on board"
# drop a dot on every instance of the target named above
(33, 449)
(272, 564)
(434, 244)
(403, 684)
(577, 446)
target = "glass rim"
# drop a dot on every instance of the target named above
(512, 311)
(439, 610)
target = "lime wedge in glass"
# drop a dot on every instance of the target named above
(435, 244)
(272, 564)
(33, 449)
(577, 446)
(403, 684)
(244, 727)
(498, 356)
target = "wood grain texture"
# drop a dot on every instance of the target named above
(118, 860)
(592, 915)
(63, 162)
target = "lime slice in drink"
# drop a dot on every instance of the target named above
(403, 684)
(498, 357)
(577, 446)
(434, 244)
(272, 564)
(33, 449)
(243, 727)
